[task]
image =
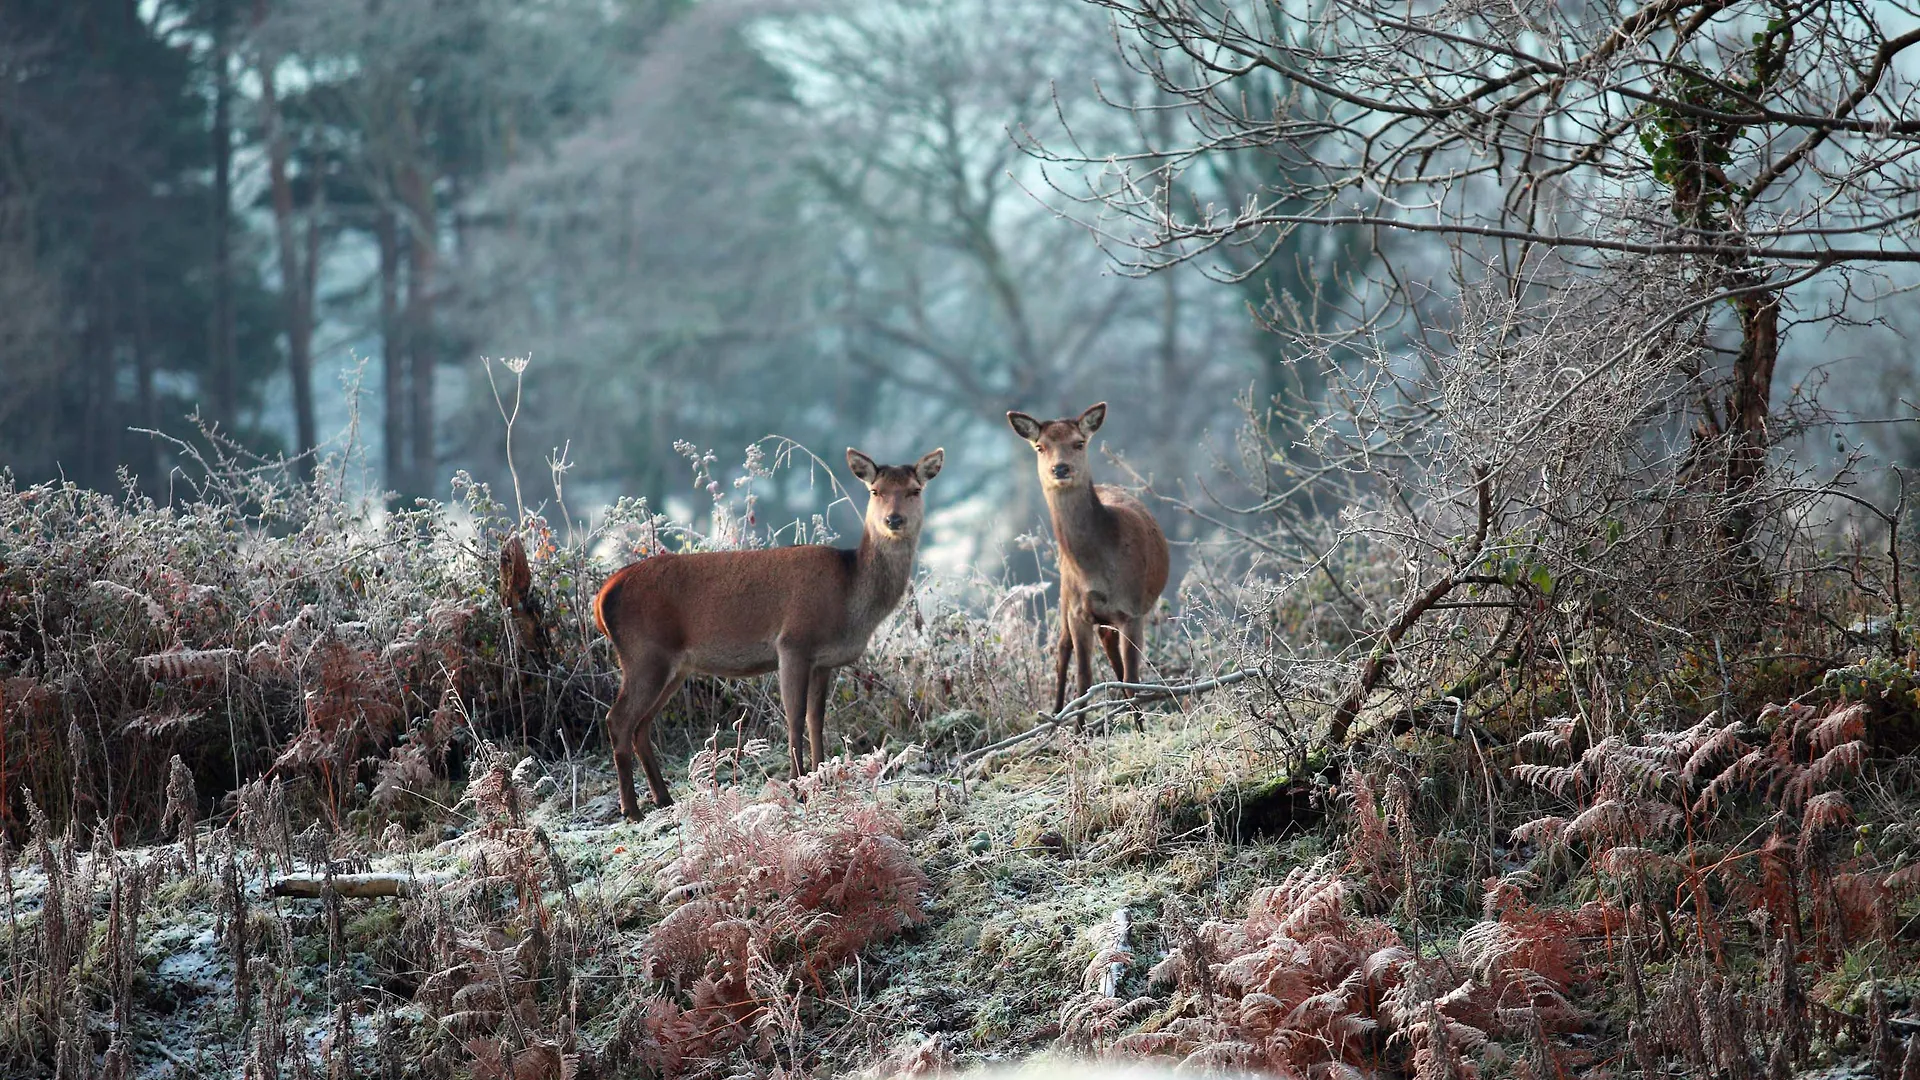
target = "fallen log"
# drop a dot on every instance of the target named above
(313, 886)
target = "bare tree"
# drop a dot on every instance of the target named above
(1472, 560)
(1547, 435)
(410, 104)
(222, 332)
(662, 267)
(31, 349)
(956, 291)
(297, 239)
(1763, 144)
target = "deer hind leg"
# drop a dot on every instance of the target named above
(620, 728)
(796, 671)
(645, 687)
(1113, 640)
(650, 757)
(1128, 636)
(1110, 641)
(819, 685)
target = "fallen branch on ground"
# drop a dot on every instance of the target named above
(312, 886)
(1381, 659)
(1085, 704)
(1114, 952)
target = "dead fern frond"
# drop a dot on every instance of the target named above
(769, 895)
(1554, 734)
(1826, 810)
(1746, 771)
(1557, 780)
(1722, 742)
(1846, 725)
(184, 664)
(1540, 830)
(1835, 765)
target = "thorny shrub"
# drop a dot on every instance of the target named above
(1502, 537)
(1487, 519)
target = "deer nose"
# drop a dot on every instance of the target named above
(1061, 472)
(895, 521)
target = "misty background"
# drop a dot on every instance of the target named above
(700, 222)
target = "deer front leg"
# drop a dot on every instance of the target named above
(796, 669)
(1083, 637)
(818, 687)
(1127, 663)
(1060, 667)
(1131, 650)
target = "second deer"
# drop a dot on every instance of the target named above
(1113, 556)
(802, 611)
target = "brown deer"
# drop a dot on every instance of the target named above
(802, 611)
(1113, 556)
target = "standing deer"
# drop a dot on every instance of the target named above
(802, 610)
(1113, 556)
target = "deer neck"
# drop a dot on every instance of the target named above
(1083, 526)
(881, 569)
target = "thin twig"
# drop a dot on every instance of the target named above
(1085, 704)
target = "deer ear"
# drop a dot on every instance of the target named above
(1024, 426)
(1091, 420)
(929, 465)
(861, 466)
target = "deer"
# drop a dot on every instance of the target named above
(804, 611)
(1113, 556)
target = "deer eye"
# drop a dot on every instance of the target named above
(1080, 444)
(913, 494)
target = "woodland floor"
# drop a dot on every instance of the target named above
(1027, 864)
(1026, 861)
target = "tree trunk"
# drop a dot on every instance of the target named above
(149, 406)
(295, 280)
(1175, 383)
(220, 336)
(393, 357)
(417, 191)
(97, 383)
(312, 886)
(1748, 406)
(316, 212)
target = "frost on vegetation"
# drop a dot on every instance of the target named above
(259, 624)
(768, 896)
(1298, 986)
(1600, 889)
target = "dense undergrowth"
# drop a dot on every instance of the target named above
(1700, 862)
